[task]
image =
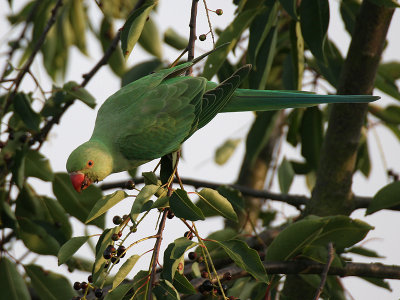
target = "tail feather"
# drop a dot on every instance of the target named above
(262, 100)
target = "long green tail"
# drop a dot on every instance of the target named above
(262, 100)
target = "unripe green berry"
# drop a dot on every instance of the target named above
(219, 12)
(202, 37)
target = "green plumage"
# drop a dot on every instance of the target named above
(154, 115)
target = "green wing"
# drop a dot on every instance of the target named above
(161, 119)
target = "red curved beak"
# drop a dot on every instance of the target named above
(79, 181)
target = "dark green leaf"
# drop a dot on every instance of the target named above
(364, 252)
(165, 290)
(133, 27)
(78, 92)
(291, 7)
(225, 151)
(314, 20)
(124, 270)
(363, 162)
(183, 207)
(49, 285)
(140, 70)
(182, 284)
(285, 176)
(294, 122)
(150, 178)
(104, 204)
(292, 240)
(378, 282)
(119, 292)
(78, 21)
(12, 284)
(18, 167)
(311, 135)
(150, 39)
(36, 238)
(144, 196)
(57, 216)
(218, 203)
(386, 197)
(389, 114)
(349, 10)
(69, 248)
(245, 258)
(138, 282)
(22, 106)
(36, 165)
(386, 3)
(172, 38)
(76, 204)
(294, 63)
(181, 245)
(234, 196)
(230, 35)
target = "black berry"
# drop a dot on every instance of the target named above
(227, 276)
(90, 278)
(110, 248)
(117, 220)
(224, 287)
(133, 228)
(107, 254)
(115, 260)
(170, 214)
(192, 255)
(204, 274)
(208, 286)
(188, 235)
(130, 185)
(98, 293)
(77, 286)
(202, 37)
(84, 285)
(121, 251)
(219, 12)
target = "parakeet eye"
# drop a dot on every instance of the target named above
(90, 163)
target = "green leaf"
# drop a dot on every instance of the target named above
(218, 203)
(12, 285)
(76, 204)
(49, 285)
(138, 282)
(311, 135)
(56, 215)
(225, 151)
(22, 106)
(386, 197)
(234, 196)
(183, 207)
(161, 202)
(104, 204)
(378, 282)
(364, 252)
(291, 7)
(119, 292)
(150, 39)
(18, 167)
(296, 65)
(100, 261)
(245, 258)
(181, 245)
(75, 90)
(37, 165)
(363, 162)
(140, 70)
(36, 238)
(314, 20)
(165, 290)
(124, 270)
(230, 35)
(78, 21)
(133, 27)
(144, 195)
(183, 285)
(150, 178)
(348, 11)
(69, 248)
(294, 238)
(285, 175)
(172, 38)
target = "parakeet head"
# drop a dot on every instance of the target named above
(90, 162)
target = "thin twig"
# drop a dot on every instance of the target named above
(209, 22)
(36, 49)
(156, 253)
(192, 35)
(324, 275)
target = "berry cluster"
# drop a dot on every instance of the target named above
(207, 287)
(114, 255)
(86, 287)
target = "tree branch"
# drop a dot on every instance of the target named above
(192, 34)
(324, 275)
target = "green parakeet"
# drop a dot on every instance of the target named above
(154, 115)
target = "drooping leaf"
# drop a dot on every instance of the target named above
(183, 285)
(104, 204)
(364, 252)
(124, 270)
(150, 39)
(285, 176)
(183, 207)
(22, 106)
(78, 92)
(119, 292)
(69, 248)
(150, 178)
(49, 285)
(144, 196)
(378, 282)
(218, 203)
(348, 11)
(314, 20)
(165, 290)
(36, 165)
(78, 20)
(225, 151)
(57, 216)
(36, 238)
(172, 38)
(140, 70)
(291, 7)
(234, 196)
(311, 135)
(133, 26)
(76, 204)
(12, 284)
(296, 65)
(231, 34)
(294, 238)
(181, 245)
(245, 258)
(386, 197)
